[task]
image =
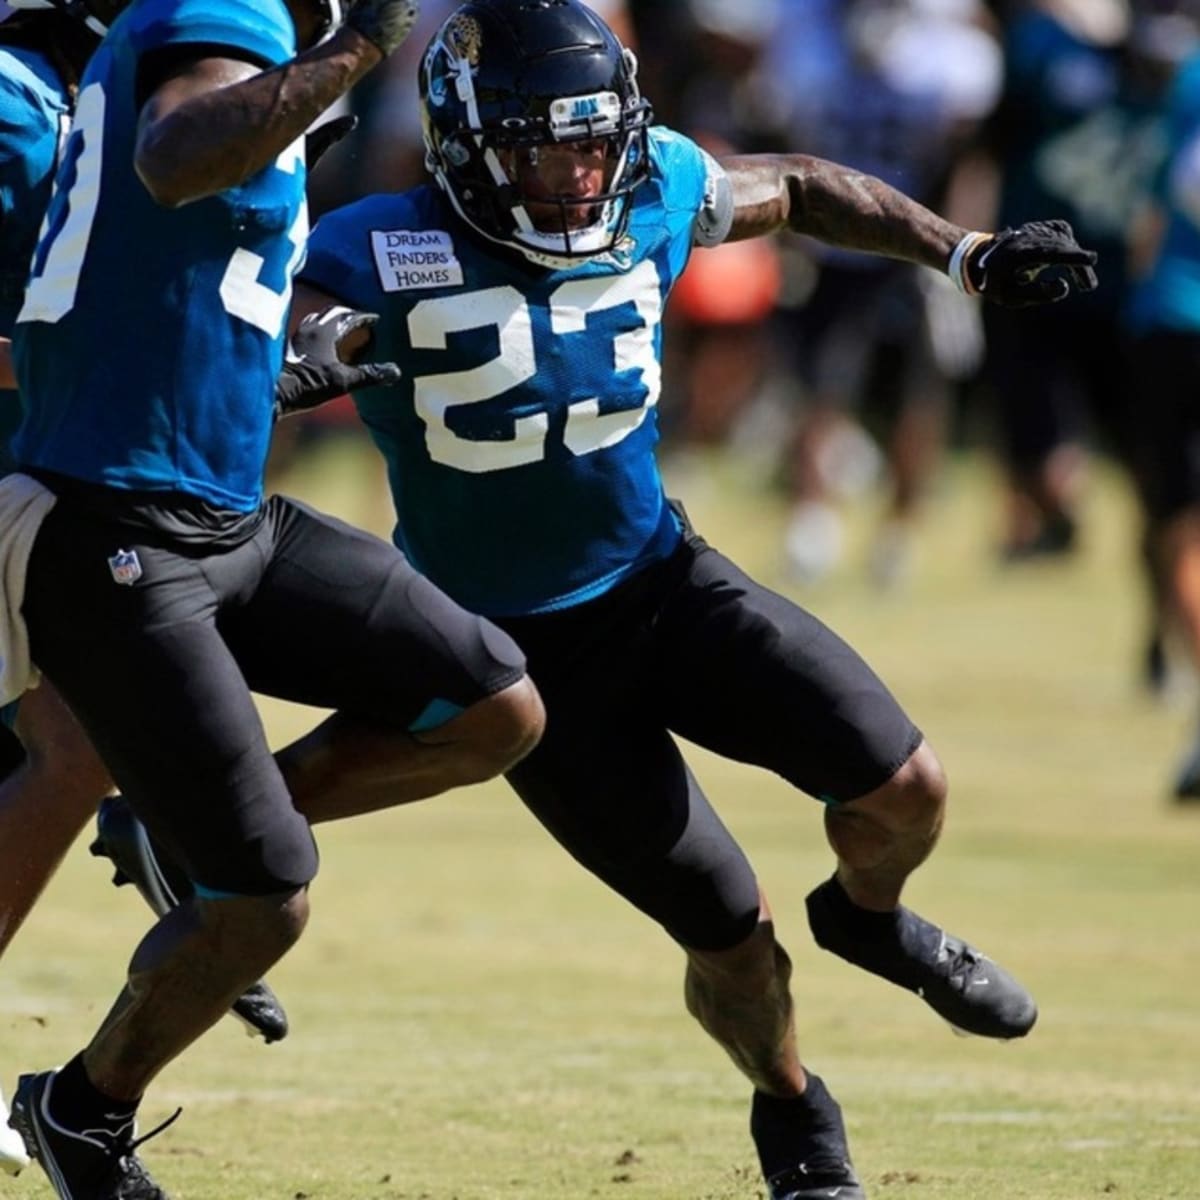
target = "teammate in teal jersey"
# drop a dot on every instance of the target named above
(50, 777)
(1164, 318)
(159, 587)
(523, 292)
(44, 798)
(1077, 138)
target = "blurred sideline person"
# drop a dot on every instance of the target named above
(524, 293)
(51, 779)
(896, 89)
(1164, 317)
(159, 587)
(1076, 137)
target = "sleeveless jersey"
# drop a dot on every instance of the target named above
(34, 112)
(1169, 297)
(520, 444)
(151, 337)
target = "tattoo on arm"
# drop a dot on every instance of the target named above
(835, 204)
(219, 121)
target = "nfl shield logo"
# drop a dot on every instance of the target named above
(126, 567)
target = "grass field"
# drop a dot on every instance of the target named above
(474, 1018)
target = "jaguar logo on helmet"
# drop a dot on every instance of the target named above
(503, 78)
(464, 37)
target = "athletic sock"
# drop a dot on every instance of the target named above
(863, 923)
(77, 1104)
(798, 1129)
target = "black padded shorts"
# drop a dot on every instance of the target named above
(692, 646)
(160, 670)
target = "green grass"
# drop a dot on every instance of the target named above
(477, 1019)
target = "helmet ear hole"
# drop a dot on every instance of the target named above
(503, 78)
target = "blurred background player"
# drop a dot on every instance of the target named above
(1076, 137)
(1164, 381)
(897, 89)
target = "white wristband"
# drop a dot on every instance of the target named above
(957, 270)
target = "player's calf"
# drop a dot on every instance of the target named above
(125, 842)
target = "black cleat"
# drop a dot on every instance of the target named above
(817, 1179)
(125, 842)
(966, 988)
(258, 1008)
(88, 1165)
(1187, 776)
(816, 1145)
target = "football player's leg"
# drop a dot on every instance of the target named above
(771, 685)
(160, 881)
(614, 791)
(429, 696)
(44, 802)
(51, 783)
(193, 762)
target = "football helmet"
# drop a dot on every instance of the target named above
(507, 88)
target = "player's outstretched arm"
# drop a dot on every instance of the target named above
(1036, 263)
(212, 122)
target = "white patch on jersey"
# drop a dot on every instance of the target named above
(408, 260)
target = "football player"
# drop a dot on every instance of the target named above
(50, 777)
(159, 588)
(523, 291)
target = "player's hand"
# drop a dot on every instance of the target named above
(312, 371)
(1037, 263)
(385, 22)
(325, 137)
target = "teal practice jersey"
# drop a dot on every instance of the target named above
(1083, 140)
(34, 112)
(520, 444)
(1169, 298)
(150, 337)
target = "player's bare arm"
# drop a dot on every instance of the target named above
(8, 375)
(836, 204)
(1037, 263)
(213, 122)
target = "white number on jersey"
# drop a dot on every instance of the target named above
(505, 309)
(51, 294)
(241, 292)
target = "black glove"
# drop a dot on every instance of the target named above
(1037, 263)
(385, 22)
(325, 137)
(312, 372)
